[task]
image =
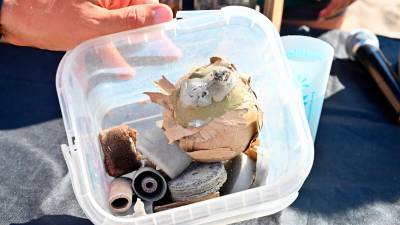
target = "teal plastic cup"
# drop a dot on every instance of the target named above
(310, 60)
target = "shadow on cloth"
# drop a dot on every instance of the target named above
(27, 86)
(57, 219)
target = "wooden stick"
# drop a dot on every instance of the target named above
(178, 204)
(273, 9)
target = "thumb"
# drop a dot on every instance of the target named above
(135, 16)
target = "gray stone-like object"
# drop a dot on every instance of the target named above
(198, 180)
(153, 144)
(241, 173)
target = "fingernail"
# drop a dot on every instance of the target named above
(162, 14)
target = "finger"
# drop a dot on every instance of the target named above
(117, 4)
(330, 9)
(114, 61)
(169, 50)
(134, 17)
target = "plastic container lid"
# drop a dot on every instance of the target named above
(98, 90)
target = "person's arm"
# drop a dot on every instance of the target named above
(1, 32)
(62, 24)
(334, 7)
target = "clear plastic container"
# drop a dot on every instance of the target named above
(96, 92)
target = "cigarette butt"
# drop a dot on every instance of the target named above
(139, 208)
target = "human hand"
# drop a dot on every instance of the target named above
(62, 24)
(334, 7)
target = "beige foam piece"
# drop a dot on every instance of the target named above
(120, 196)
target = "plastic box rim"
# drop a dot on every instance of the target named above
(72, 155)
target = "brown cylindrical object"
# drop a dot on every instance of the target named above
(119, 148)
(120, 196)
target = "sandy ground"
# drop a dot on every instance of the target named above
(380, 16)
